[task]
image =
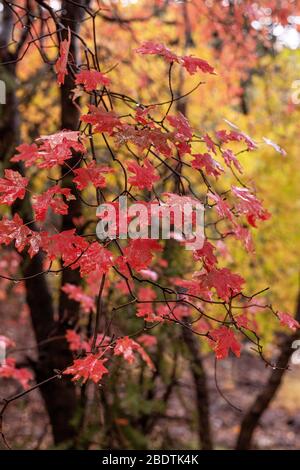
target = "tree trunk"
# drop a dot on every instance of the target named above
(199, 377)
(59, 395)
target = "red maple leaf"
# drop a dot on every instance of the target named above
(205, 161)
(96, 257)
(210, 144)
(12, 187)
(91, 79)
(145, 175)
(104, 121)
(10, 371)
(76, 293)
(145, 307)
(206, 253)
(182, 126)
(28, 153)
(147, 340)
(75, 341)
(229, 158)
(139, 253)
(62, 62)
(149, 47)
(91, 174)
(224, 341)
(224, 281)
(65, 244)
(50, 199)
(91, 367)
(126, 347)
(287, 320)
(192, 64)
(222, 206)
(15, 230)
(249, 205)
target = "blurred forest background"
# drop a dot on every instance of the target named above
(255, 49)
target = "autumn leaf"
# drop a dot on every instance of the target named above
(91, 174)
(103, 121)
(145, 175)
(10, 371)
(61, 63)
(12, 187)
(91, 367)
(226, 283)
(15, 230)
(50, 199)
(192, 64)
(287, 320)
(76, 293)
(209, 164)
(126, 347)
(224, 341)
(91, 79)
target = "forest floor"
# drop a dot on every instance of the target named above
(26, 424)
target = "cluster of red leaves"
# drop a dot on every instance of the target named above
(190, 63)
(93, 259)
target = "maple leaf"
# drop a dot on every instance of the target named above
(57, 148)
(226, 283)
(149, 47)
(66, 244)
(234, 136)
(182, 126)
(91, 367)
(91, 174)
(12, 187)
(28, 153)
(287, 320)
(91, 79)
(126, 347)
(229, 158)
(145, 307)
(139, 253)
(61, 64)
(104, 121)
(15, 230)
(147, 340)
(145, 175)
(221, 205)
(242, 321)
(61, 137)
(192, 64)
(10, 371)
(211, 166)
(143, 139)
(210, 143)
(76, 293)
(193, 287)
(225, 341)
(243, 234)
(50, 199)
(250, 205)
(96, 257)
(75, 342)
(206, 253)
